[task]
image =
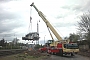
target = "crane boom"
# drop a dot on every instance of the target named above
(47, 22)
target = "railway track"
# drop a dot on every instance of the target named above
(11, 52)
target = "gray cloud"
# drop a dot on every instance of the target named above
(5, 1)
(8, 21)
(5, 27)
(61, 16)
(64, 24)
(76, 8)
(86, 5)
(8, 15)
(66, 7)
(4, 14)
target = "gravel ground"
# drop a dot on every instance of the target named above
(27, 56)
(44, 56)
(76, 57)
(85, 53)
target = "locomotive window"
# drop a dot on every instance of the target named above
(64, 45)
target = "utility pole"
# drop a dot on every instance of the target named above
(44, 39)
(38, 29)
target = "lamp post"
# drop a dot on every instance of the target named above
(44, 39)
(38, 29)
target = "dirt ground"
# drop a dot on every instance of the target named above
(85, 53)
(27, 55)
(35, 55)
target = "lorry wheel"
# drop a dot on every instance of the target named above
(61, 52)
(52, 53)
(72, 54)
(41, 51)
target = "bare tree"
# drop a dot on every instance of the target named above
(84, 26)
(74, 37)
(84, 23)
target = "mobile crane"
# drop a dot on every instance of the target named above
(61, 46)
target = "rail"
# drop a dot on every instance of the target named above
(11, 52)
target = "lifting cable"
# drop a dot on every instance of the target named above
(30, 24)
(50, 33)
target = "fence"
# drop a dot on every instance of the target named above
(83, 47)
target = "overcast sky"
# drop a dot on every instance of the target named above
(62, 14)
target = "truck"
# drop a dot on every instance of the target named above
(60, 47)
(46, 46)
